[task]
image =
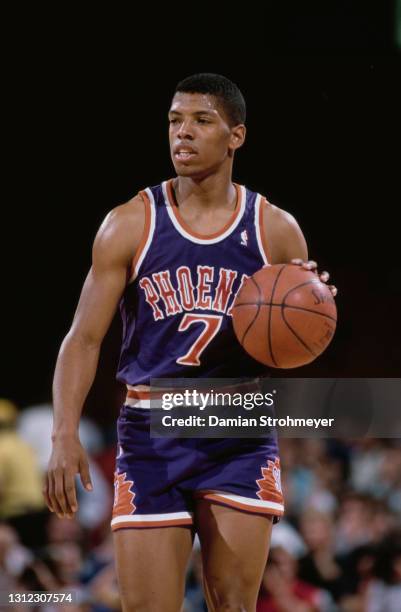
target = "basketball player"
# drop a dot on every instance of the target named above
(175, 256)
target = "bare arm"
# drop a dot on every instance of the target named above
(113, 251)
(283, 235)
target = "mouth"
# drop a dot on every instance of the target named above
(184, 155)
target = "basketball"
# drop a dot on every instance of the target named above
(284, 316)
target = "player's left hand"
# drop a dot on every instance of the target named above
(312, 266)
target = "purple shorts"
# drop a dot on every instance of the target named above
(158, 480)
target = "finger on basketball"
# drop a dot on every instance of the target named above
(310, 265)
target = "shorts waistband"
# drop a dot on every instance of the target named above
(153, 398)
(143, 399)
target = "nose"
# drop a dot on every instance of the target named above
(185, 130)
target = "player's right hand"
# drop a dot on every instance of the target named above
(67, 459)
(312, 265)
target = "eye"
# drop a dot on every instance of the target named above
(201, 120)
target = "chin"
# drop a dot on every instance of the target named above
(186, 171)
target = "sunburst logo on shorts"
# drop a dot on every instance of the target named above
(270, 484)
(123, 495)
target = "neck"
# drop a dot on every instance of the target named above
(210, 192)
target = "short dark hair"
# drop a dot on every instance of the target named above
(226, 92)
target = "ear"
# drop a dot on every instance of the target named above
(237, 137)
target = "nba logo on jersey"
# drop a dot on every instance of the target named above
(244, 238)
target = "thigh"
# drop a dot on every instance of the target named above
(235, 547)
(151, 567)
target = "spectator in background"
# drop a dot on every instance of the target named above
(358, 569)
(35, 427)
(21, 500)
(384, 520)
(283, 591)
(320, 566)
(384, 591)
(376, 470)
(13, 559)
(20, 571)
(354, 525)
(310, 477)
(99, 576)
(63, 566)
(286, 536)
(72, 557)
(365, 460)
(388, 485)
(63, 530)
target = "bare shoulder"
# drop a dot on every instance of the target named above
(283, 234)
(121, 232)
(279, 220)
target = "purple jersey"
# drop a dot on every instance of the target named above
(177, 319)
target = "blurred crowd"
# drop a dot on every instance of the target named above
(338, 548)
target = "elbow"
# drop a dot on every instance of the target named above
(82, 339)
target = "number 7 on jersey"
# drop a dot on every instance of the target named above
(212, 325)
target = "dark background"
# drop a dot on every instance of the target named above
(88, 99)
